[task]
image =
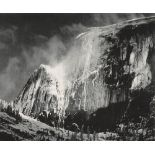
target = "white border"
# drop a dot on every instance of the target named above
(78, 6)
(76, 148)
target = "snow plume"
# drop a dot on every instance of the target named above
(53, 52)
(69, 57)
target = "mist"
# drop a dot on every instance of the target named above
(59, 49)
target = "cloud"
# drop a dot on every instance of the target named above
(49, 53)
(73, 30)
(19, 68)
(8, 79)
(8, 35)
(58, 50)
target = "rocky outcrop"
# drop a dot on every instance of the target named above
(40, 93)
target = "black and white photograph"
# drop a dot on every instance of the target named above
(77, 76)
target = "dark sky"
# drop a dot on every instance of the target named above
(27, 40)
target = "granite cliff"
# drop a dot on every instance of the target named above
(115, 77)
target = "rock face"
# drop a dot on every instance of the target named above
(115, 76)
(40, 93)
(118, 71)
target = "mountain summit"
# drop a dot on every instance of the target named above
(41, 92)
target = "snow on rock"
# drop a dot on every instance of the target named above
(41, 92)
